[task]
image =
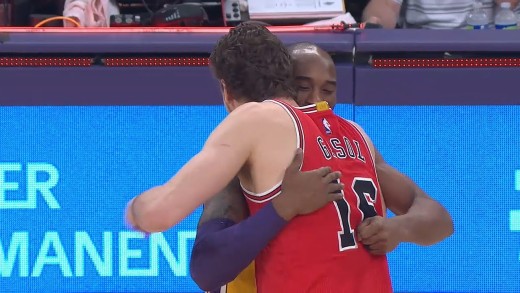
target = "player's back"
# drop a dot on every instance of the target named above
(319, 252)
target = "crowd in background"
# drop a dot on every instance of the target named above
(429, 14)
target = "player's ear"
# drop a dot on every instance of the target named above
(228, 98)
(222, 85)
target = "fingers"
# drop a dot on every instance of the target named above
(335, 187)
(369, 227)
(364, 224)
(334, 196)
(332, 176)
(373, 239)
(326, 173)
(297, 160)
(323, 171)
(378, 248)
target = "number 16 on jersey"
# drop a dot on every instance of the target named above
(366, 193)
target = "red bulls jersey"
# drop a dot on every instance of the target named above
(319, 252)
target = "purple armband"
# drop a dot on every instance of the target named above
(223, 249)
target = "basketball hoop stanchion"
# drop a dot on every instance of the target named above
(341, 27)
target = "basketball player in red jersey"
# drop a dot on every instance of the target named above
(315, 77)
(240, 145)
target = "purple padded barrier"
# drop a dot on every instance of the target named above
(108, 86)
(98, 85)
(415, 40)
(123, 86)
(437, 86)
(149, 42)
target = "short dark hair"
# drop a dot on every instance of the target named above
(254, 63)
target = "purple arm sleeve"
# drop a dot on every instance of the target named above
(223, 249)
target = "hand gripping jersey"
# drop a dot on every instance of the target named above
(319, 252)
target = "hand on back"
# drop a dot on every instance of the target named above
(306, 192)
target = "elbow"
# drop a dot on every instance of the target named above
(445, 230)
(450, 228)
(204, 283)
(427, 227)
(203, 273)
(446, 222)
(382, 12)
(200, 280)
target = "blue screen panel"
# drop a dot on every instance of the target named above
(345, 110)
(466, 157)
(66, 174)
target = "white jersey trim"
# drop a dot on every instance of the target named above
(300, 143)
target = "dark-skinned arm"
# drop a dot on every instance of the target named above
(419, 218)
(383, 12)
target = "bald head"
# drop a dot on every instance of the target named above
(315, 74)
(302, 50)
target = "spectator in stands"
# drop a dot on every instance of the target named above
(355, 8)
(429, 14)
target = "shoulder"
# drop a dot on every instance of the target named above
(249, 122)
(358, 127)
(353, 124)
(258, 114)
(255, 109)
(365, 136)
(244, 118)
